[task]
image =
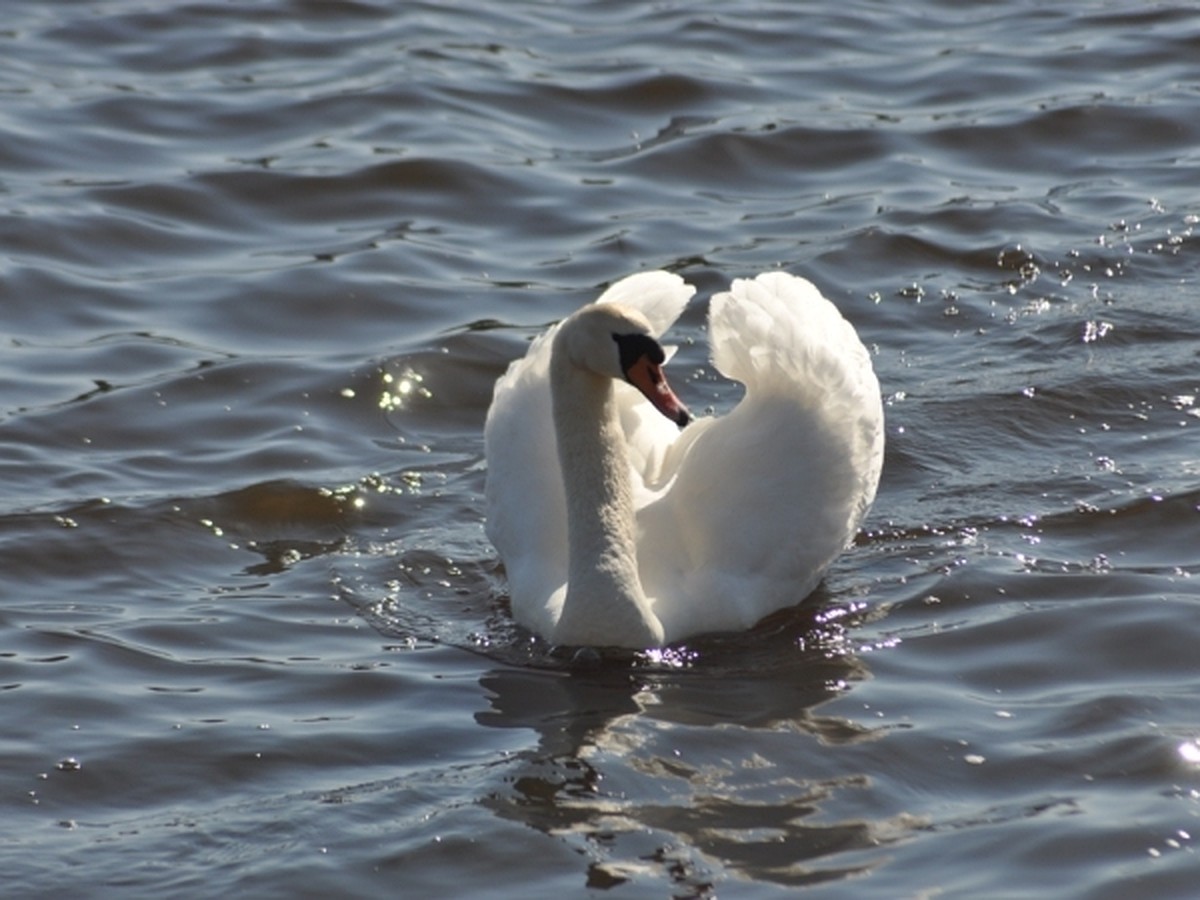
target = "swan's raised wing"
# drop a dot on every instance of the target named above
(659, 296)
(768, 495)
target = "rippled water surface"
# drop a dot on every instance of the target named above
(261, 264)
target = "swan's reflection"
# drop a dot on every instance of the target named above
(695, 772)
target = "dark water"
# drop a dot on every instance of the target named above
(261, 265)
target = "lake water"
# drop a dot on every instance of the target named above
(261, 265)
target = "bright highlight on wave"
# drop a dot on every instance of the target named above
(400, 389)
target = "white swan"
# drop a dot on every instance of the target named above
(617, 528)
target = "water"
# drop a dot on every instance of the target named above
(261, 265)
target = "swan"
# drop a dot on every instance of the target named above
(620, 527)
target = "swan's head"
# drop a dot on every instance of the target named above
(615, 341)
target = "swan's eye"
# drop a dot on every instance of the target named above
(633, 347)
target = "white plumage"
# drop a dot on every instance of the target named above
(728, 520)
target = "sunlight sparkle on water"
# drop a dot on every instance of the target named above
(399, 390)
(672, 657)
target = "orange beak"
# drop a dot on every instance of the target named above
(647, 376)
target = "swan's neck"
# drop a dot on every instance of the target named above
(604, 604)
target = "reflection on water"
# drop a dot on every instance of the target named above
(627, 769)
